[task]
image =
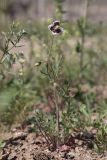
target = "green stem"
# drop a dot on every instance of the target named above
(83, 36)
(50, 48)
(22, 73)
(2, 58)
(50, 70)
(57, 115)
(82, 52)
(43, 133)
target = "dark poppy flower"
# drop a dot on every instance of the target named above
(55, 28)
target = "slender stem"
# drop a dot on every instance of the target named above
(55, 97)
(82, 52)
(49, 70)
(12, 46)
(22, 66)
(50, 48)
(57, 115)
(6, 51)
(83, 36)
(43, 133)
(86, 10)
(2, 58)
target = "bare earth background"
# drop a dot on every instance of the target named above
(43, 9)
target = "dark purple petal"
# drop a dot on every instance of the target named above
(58, 30)
(56, 23)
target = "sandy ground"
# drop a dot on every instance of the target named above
(28, 146)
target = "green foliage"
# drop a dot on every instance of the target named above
(54, 74)
(2, 144)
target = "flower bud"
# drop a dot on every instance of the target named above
(37, 64)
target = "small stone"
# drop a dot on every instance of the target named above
(70, 155)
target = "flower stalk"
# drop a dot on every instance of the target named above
(57, 115)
